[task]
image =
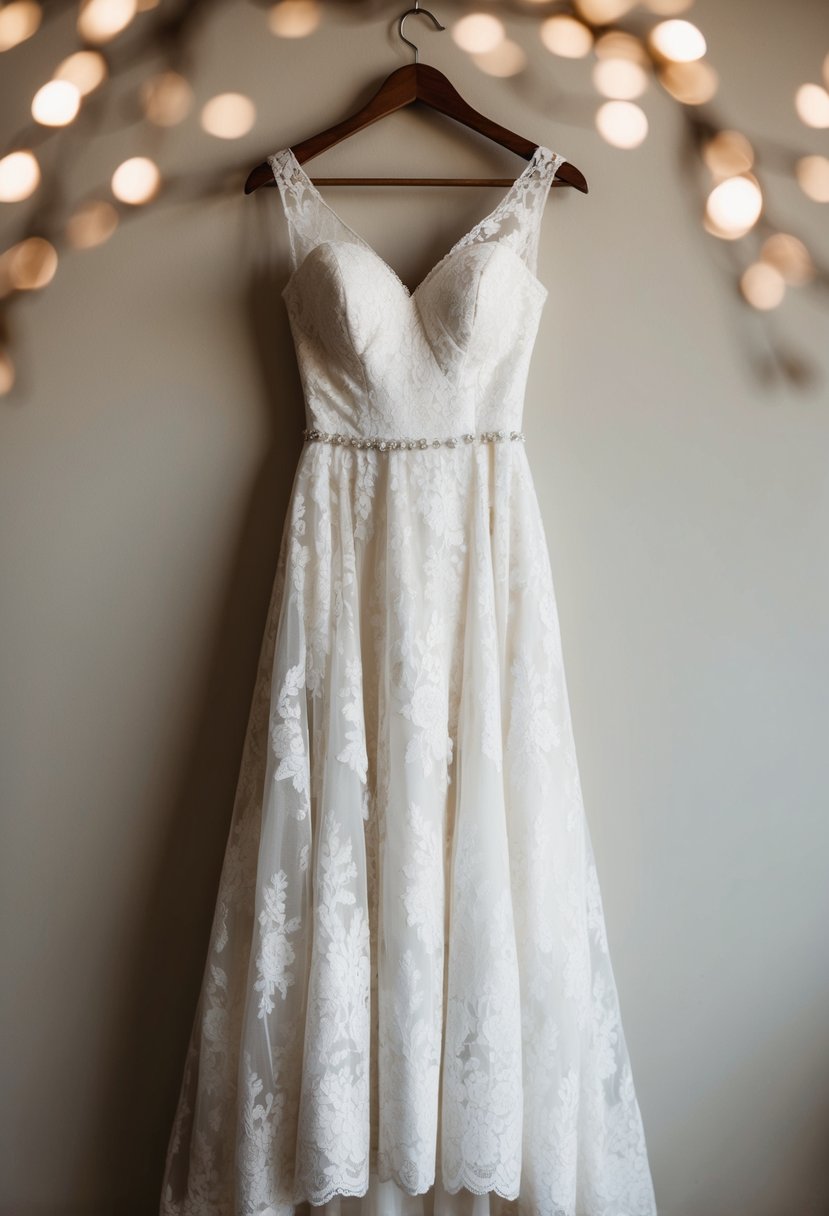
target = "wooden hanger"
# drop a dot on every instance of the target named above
(415, 82)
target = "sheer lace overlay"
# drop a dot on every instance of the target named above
(408, 1005)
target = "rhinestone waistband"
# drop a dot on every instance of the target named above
(390, 445)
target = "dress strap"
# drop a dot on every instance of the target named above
(310, 220)
(516, 221)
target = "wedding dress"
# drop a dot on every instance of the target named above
(408, 1007)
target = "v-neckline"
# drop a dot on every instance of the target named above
(538, 155)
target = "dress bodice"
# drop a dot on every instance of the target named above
(450, 356)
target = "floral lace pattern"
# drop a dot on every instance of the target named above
(408, 990)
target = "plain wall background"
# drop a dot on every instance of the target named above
(146, 460)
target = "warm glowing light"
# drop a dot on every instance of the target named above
(294, 18)
(812, 174)
(734, 206)
(56, 103)
(566, 36)
(677, 40)
(102, 20)
(812, 104)
(692, 84)
(136, 181)
(619, 78)
(19, 176)
(85, 70)
(31, 263)
(622, 123)
(478, 33)
(92, 224)
(728, 154)
(826, 70)
(507, 59)
(616, 44)
(763, 285)
(790, 256)
(166, 98)
(228, 115)
(18, 21)
(6, 373)
(667, 8)
(602, 12)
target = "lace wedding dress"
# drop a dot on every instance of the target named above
(408, 1006)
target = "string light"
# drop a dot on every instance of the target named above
(790, 257)
(478, 33)
(56, 103)
(692, 84)
(103, 20)
(6, 373)
(728, 153)
(294, 18)
(506, 59)
(734, 206)
(85, 70)
(228, 116)
(91, 224)
(166, 99)
(677, 40)
(812, 173)
(19, 176)
(622, 123)
(621, 79)
(762, 285)
(18, 21)
(136, 180)
(812, 104)
(31, 263)
(566, 36)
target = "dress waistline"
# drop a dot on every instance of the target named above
(452, 441)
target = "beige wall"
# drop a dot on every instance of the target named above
(146, 460)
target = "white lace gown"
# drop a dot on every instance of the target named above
(408, 1006)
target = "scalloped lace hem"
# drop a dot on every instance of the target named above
(389, 1197)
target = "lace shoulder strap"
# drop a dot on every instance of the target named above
(310, 220)
(516, 221)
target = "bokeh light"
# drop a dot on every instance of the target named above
(228, 115)
(294, 18)
(812, 104)
(506, 59)
(622, 123)
(478, 33)
(728, 153)
(102, 20)
(691, 84)
(619, 78)
(166, 98)
(18, 21)
(56, 103)
(30, 264)
(616, 44)
(85, 70)
(812, 173)
(19, 176)
(6, 373)
(763, 285)
(136, 180)
(91, 224)
(790, 256)
(566, 36)
(734, 206)
(603, 12)
(677, 40)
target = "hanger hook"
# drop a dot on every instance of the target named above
(426, 13)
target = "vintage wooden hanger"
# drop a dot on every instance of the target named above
(415, 82)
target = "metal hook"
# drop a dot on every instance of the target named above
(426, 13)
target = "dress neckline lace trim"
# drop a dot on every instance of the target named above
(541, 160)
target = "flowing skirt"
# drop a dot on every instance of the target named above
(408, 1006)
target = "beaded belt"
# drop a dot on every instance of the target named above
(359, 441)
